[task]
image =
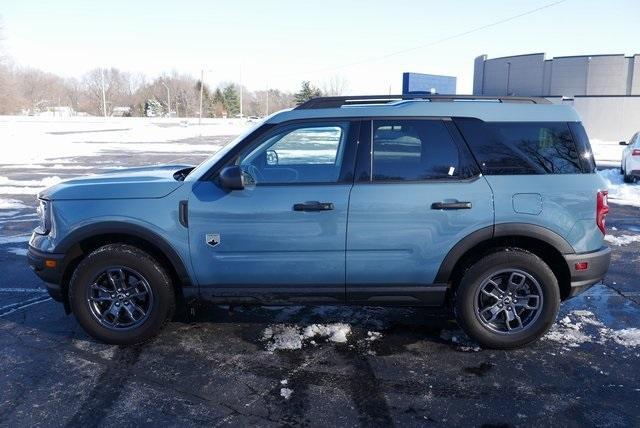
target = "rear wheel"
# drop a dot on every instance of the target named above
(507, 299)
(121, 295)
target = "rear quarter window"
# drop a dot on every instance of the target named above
(517, 148)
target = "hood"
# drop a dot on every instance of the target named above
(130, 183)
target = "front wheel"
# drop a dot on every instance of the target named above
(507, 299)
(121, 295)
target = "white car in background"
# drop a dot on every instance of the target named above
(630, 164)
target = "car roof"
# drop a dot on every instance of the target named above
(498, 109)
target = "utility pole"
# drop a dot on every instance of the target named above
(201, 89)
(241, 92)
(104, 98)
(267, 100)
(508, 77)
(168, 99)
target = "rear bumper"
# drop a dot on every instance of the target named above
(598, 262)
(52, 276)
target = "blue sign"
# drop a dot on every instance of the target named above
(420, 83)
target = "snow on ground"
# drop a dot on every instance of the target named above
(18, 251)
(14, 239)
(581, 326)
(622, 239)
(282, 336)
(11, 204)
(25, 187)
(286, 393)
(620, 192)
(32, 140)
(372, 336)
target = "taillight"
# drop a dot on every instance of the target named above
(602, 210)
(635, 152)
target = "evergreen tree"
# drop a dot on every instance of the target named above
(152, 108)
(307, 91)
(231, 100)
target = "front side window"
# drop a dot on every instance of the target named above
(413, 150)
(303, 153)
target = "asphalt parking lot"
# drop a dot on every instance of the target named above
(358, 366)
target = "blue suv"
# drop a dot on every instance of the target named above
(491, 207)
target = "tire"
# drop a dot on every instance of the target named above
(146, 295)
(626, 178)
(499, 266)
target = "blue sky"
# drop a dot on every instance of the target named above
(280, 43)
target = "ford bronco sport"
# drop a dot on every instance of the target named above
(491, 207)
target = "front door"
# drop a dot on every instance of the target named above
(283, 236)
(417, 193)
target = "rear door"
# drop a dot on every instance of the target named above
(417, 193)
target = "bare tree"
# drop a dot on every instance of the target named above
(10, 102)
(117, 89)
(335, 85)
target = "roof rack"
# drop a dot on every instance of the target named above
(336, 102)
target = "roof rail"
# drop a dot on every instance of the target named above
(336, 102)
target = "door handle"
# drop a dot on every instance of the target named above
(451, 205)
(313, 206)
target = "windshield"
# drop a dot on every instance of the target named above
(209, 162)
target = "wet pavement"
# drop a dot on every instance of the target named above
(402, 367)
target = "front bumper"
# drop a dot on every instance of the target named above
(598, 262)
(41, 262)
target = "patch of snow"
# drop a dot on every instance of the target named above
(18, 251)
(11, 204)
(282, 337)
(627, 337)
(14, 239)
(11, 190)
(288, 337)
(572, 331)
(333, 332)
(620, 192)
(32, 141)
(622, 239)
(45, 182)
(286, 393)
(373, 336)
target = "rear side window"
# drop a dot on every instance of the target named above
(413, 150)
(516, 148)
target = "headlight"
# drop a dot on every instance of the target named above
(44, 216)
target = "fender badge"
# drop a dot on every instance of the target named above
(212, 239)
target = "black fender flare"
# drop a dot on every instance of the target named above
(134, 230)
(500, 230)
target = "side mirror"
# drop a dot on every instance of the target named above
(231, 178)
(623, 143)
(272, 157)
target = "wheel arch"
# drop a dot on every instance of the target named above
(84, 240)
(543, 242)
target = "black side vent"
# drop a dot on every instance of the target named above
(183, 213)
